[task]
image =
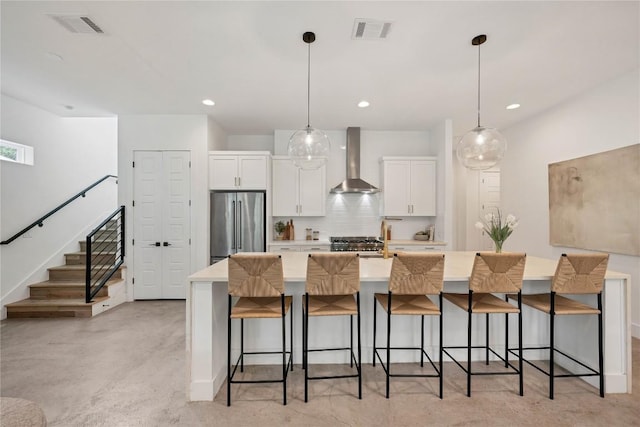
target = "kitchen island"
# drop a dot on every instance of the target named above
(206, 322)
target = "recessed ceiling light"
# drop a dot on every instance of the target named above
(208, 102)
(363, 104)
(513, 106)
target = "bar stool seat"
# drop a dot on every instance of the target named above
(408, 304)
(332, 305)
(260, 308)
(482, 303)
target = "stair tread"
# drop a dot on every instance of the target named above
(78, 267)
(69, 283)
(60, 302)
(84, 253)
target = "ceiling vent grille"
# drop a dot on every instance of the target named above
(368, 29)
(78, 24)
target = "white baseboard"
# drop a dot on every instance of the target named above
(635, 330)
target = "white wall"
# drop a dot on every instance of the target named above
(250, 143)
(70, 154)
(195, 133)
(600, 120)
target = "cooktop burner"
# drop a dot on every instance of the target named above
(355, 244)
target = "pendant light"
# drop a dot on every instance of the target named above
(309, 148)
(481, 148)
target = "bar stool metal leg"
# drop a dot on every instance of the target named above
(388, 343)
(600, 346)
(375, 310)
(359, 350)
(229, 354)
(551, 343)
(469, 345)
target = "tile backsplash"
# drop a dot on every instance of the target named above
(355, 215)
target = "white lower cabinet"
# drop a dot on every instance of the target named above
(284, 247)
(413, 248)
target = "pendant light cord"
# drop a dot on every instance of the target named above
(478, 85)
(309, 83)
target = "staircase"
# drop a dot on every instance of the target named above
(63, 295)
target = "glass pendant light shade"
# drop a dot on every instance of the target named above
(309, 148)
(481, 148)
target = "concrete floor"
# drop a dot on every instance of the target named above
(126, 367)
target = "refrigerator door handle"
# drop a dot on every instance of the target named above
(239, 225)
(233, 245)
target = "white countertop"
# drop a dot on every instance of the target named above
(457, 267)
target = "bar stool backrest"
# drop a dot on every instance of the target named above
(416, 274)
(333, 274)
(252, 275)
(580, 274)
(497, 272)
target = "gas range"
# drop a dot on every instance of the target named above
(356, 244)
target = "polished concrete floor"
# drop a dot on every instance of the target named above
(126, 367)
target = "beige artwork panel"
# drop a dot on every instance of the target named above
(594, 202)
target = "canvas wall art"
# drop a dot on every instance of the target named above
(594, 202)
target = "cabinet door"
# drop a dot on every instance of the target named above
(284, 184)
(223, 172)
(396, 190)
(252, 172)
(312, 192)
(423, 188)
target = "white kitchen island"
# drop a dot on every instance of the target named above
(206, 322)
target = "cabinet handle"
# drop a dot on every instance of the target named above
(300, 210)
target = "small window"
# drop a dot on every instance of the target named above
(14, 152)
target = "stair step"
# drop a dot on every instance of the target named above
(75, 272)
(66, 289)
(99, 245)
(80, 258)
(63, 307)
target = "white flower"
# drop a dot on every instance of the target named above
(489, 217)
(510, 219)
(479, 225)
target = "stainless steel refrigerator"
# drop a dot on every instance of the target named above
(238, 223)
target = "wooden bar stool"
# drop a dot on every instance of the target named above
(257, 283)
(332, 289)
(491, 273)
(413, 277)
(575, 274)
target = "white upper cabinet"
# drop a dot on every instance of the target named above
(233, 171)
(408, 186)
(297, 192)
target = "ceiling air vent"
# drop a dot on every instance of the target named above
(78, 24)
(368, 29)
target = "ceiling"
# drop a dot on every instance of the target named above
(160, 57)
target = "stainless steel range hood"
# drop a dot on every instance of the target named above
(353, 183)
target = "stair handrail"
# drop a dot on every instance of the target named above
(40, 221)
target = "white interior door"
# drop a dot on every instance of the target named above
(161, 228)
(489, 201)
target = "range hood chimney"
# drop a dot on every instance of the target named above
(353, 183)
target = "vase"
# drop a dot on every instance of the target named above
(498, 244)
